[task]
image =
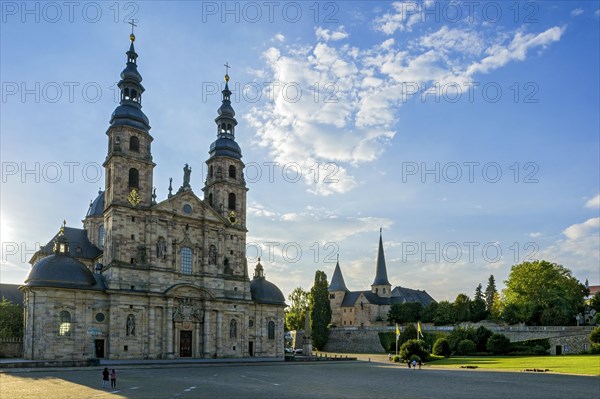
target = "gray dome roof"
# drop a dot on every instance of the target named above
(129, 115)
(225, 147)
(62, 271)
(97, 206)
(264, 291)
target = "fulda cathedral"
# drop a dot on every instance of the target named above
(154, 280)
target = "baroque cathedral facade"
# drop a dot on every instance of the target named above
(154, 280)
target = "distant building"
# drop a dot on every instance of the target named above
(367, 308)
(148, 278)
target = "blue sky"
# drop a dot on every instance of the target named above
(469, 132)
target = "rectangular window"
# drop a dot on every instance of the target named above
(186, 260)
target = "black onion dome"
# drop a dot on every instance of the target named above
(61, 271)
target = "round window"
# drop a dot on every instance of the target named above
(187, 209)
(99, 317)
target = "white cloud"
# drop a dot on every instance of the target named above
(577, 231)
(406, 14)
(593, 203)
(279, 38)
(576, 12)
(327, 35)
(535, 234)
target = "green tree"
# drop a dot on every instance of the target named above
(478, 307)
(441, 347)
(428, 313)
(595, 336)
(296, 312)
(320, 311)
(490, 293)
(539, 286)
(498, 344)
(465, 347)
(444, 314)
(408, 332)
(595, 301)
(482, 335)
(414, 347)
(401, 313)
(462, 308)
(11, 319)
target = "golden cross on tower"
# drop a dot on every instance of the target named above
(132, 22)
(226, 65)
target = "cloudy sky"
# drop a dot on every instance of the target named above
(467, 131)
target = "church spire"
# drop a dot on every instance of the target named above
(381, 270)
(129, 112)
(337, 280)
(225, 144)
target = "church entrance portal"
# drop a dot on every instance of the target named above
(99, 346)
(185, 344)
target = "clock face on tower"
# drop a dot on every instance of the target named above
(134, 197)
(232, 217)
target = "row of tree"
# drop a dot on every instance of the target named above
(536, 293)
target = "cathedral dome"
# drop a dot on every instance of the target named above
(263, 291)
(225, 147)
(59, 270)
(130, 116)
(97, 206)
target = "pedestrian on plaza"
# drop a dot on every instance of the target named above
(414, 364)
(389, 357)
(113, 378)
(408, 362)
(420, 364)
(105, 374)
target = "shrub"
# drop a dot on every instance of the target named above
(415, 358)
(532, 347)
(388, 341)
(441, 347)
(595, 349)
(396, 359)
(465, 347)
(498, 344)
(482, 335)
(595, 336)
(459, 334)
(414, 347)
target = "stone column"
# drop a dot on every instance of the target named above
(219, 335)
(169, 326)
(206, 337)
(197, 352)
(151, 332)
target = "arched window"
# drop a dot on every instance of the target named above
(232, 171)
(134, 144)
(186, 260)
(64, 328)
(212, 255)
(210, 171)
(233, 329)
(271, 330)
(229, 128)
(101, 236)
(210, 199)
(231, 201)
(134, 178)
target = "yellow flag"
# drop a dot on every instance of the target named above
(419, 332)
(397, 331)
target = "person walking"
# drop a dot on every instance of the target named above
(113, 379)
(105, 378)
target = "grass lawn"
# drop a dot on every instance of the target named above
(572, 364)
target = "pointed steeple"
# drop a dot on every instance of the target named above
(381, 277)
(225, 145)
(129, 112)
(337, 280)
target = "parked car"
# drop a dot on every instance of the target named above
(298, 351)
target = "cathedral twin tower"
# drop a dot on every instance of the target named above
(148, 279)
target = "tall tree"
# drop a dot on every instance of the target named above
(296, 312)
(544, 293)
(462, 308)
(409, 312)
(478, 306)
(320, 311)
(490, 292)
(444, 314)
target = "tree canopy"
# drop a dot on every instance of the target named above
(296, 312)
(320, 311)
(542, 292)
(11, 319)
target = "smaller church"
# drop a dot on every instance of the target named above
(370, 307)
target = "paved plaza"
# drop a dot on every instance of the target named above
(358, 379)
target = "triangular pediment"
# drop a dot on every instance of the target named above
(188, 204)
